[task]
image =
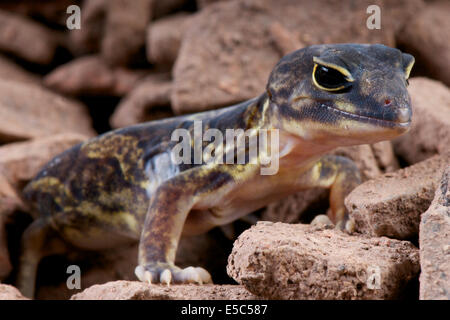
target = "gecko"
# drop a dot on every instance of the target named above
(126, 186)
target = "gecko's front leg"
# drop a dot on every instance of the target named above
(166, 216)
(341, 176)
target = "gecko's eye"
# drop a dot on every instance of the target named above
(330, 79)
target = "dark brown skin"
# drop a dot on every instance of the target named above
(122, 187)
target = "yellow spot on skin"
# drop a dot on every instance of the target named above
(345, 106)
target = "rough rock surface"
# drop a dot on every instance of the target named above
(385, 156)
(164, 38)
(90, 75)
(12, 71)
(163, 8)
(9, 202)
(244, 45)
(26, 39)
(423, 37)
(127, 290)
(391, 205)
(125, 28)
(21, 161)
(50, 11)
(434, 240)
(8, 292)
(29, 111)
(287, 261)
(430, 130)
(149, 100)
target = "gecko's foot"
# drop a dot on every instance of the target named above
(347, 225)
(167, 273)
(322, 221)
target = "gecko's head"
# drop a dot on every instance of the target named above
(342, 94)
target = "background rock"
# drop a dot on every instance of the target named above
(430, 129)
(88, 38)
(9, 202)
(126, 23)
(139, 105)
(26, 39)
(423, 35)
(28, 111)
(12, 71)
(21, 161)
(164, 38)
(89, 75)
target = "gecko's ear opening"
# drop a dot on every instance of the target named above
(408, 63)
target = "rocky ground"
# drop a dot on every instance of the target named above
(155, 59)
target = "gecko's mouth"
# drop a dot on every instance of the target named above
(370, 120)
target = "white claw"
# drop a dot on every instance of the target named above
(166, 277)
(148, 277)
(321, 220)
(190, 275)
(139, 272)
(204, 275)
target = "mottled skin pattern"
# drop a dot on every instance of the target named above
(121, 186)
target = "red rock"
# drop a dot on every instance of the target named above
(126, 23)
(88, 38)
(26, 39)
(51, 11)
(164, 38)
(9, 202)
(8, 292)
(126, 290)
(287, 261)
(30, 111)
(12, 71)
(89, 75)
(391, 204)
(163, 8)
(430, 130)
(21, 161)
(149, 100)
(422, 36)
(434, 240)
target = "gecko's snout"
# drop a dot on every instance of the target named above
(404, 114)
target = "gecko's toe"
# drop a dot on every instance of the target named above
(322, 221)
(166, 277)
(165, 273)
(196, 275)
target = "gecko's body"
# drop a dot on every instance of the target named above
(124, 186)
